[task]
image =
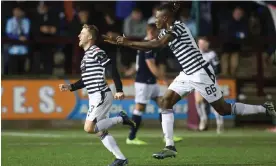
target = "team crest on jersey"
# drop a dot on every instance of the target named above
(102, 56)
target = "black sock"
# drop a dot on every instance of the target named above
(160, 118)
(137, 119)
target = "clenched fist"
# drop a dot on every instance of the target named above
(64, 87)
(119, 95)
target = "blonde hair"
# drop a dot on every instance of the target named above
(93, 30)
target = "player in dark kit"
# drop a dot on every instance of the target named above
(146, 87)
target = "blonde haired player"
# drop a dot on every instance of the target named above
(93, 66)
(211, 57)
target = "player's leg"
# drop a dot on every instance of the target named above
(107, 140)
(209, 89)
(219, 120)
(176, 90)
(157, 97)
(97, 122)
(212, 93)
(169, 99)
(224, 108)
(137, 118)
(142, 97)
(100, 110)
(200, 107)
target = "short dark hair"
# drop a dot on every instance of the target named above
(166, 6)
(136, 9)
(203, 38)
(172, 7)
(18, 7)
(93, 30)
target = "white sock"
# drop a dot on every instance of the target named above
(219, 118)
(200, 107)
(107, 123)
(246, 109)
(138, 113)
(167, 126)
(110, 143)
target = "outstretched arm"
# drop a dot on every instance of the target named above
(146, 44)
(113, 40)
(140, 45)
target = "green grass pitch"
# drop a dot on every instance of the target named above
(76, 148)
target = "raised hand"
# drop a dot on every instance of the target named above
(122, 40)
(109, 39)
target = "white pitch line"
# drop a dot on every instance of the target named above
(50, 143)
(19, 134)
(124, 135)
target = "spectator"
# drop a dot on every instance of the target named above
(254, 25)
(151, 20)
(46, 21)
(135, 27)
(17, 28)
(190, 23)
(47, 25)
(111, 27)
(234, 31)
(81, 18)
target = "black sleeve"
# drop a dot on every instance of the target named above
(77, 85)
(111, 67)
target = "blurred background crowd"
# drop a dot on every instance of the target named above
(41, 37)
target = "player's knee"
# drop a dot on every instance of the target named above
(198, 98)
(89, 129)
(166, 102)
(102, 134)
(140, 107)
(223, 110)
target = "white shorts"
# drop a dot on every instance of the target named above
(145, 92)
(201, 81)
(99, 105)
